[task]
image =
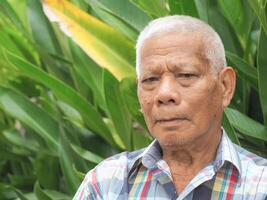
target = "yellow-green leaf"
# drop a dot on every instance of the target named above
(106, 46)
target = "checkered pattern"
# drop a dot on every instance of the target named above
(234, 174)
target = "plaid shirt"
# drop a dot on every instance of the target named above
(234, 174)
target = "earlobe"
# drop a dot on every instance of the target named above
(228, 81)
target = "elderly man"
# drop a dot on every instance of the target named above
(183, 87)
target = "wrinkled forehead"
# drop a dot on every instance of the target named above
(164, 41)
(173, 45)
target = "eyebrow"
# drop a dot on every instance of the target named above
(184, 66)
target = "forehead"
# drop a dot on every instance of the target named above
(172, 49)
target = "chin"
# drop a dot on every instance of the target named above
(175, 140)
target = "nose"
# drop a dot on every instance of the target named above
(168, 92)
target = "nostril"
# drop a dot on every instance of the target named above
(171, 100)
(167, 101)
(160, 102)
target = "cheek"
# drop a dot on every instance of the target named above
(204, 101)
(145, 100)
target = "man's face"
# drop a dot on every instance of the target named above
(180, 97)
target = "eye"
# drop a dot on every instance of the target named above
(186, 75)
(150, 79)
(187, 78)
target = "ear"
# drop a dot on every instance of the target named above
(228, 81)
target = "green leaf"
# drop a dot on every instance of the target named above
(202, 8)
(117, 23)
(219, 23)
(129, 91)
(117, 109)
(8, 11)
(87, 155)
(90, 72)
(41, 28)
(154, 8)
(47, 42)
(90, 115)
(140, 140)
(24, 45)
(22, 181)
(7, 43)
(10, 192)
(16, 138)
(66, 164)
(246, 125)
(55, 195)
(262, 73)
(41, 195)
(106, 46)
(71, 114)
(259, 8)
(22, 109)
(44, 194)
(244, 70)
(183, 7)
(235, 13)
(47, 170)
(229, 129)
(124, 10)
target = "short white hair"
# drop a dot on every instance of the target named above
(213, 48)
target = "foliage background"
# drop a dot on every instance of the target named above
(67, 84)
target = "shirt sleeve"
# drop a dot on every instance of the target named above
(88, 190)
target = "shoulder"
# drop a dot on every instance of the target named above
(250, 159)
(254, 171)
(110, 173)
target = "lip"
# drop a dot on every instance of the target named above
(170, 121)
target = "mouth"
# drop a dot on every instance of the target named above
(170, 121)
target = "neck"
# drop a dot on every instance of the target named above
(186, 161)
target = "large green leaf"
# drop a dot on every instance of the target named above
(66, 164)
(154, 8)
(229, 129)
(22, 109)
(262, 73)
(90, 115)
(117, 109)
(124, 10)
(41, 195)
(46, 168)
(129, 91)
(244, 70)
(87, 155)
(117, 23)
(47, 42)
(240, 18)
(183, 7)
(106, 46)
(22, 181)
(44, 194)
(90, 72)
(220, 24)
(8, 11)
(9, 192)
(7, 43)
(259, 7)
(41, 28)
(140, 140)
(202, 8)
(18, 139)
(25, 47)
(246, 125)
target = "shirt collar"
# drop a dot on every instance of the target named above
(226, 152)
